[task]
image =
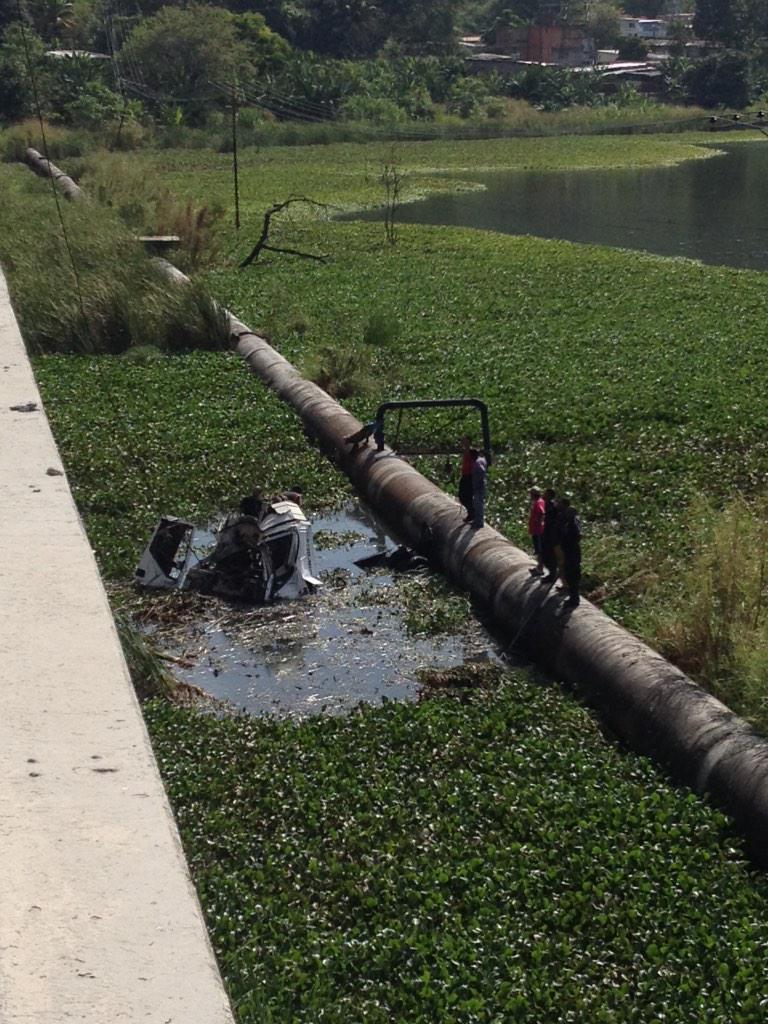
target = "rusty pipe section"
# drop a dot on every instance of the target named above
(68, 188)
(650, 704)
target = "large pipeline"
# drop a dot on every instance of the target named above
(68, 188)
(651, 705)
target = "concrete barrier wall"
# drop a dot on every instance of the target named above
(99, 921)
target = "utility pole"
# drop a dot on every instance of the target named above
(235, 174)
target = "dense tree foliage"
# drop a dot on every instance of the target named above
(725, 79)
(644, 8)
(736, 23)
(374, 60)
(191, 54)
(15, 91)
(603, 22)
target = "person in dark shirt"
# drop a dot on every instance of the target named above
(550, 535)
(465, 480)
(570, 542)
(252, 504)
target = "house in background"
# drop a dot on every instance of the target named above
(643, 28)
(566, 45)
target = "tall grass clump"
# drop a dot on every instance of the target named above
(61, 141)
(716, 627)
(150, 678)
(95, 290)
(381, 328)
(342, 371)
(121, 184)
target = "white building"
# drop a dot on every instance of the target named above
(643, 28)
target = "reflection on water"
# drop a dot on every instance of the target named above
(325, 653)
(712, 210)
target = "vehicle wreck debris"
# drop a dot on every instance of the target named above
(254, 558)
(402, 559)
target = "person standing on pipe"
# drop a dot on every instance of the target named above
(479, 480)
(536, 519)
(570, 542)
(550, 535)
(465, 480)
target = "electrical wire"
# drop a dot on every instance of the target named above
(110, 34)
(124, 55)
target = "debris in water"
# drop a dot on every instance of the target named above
(402, 559)
(350, 642)
(258, 557)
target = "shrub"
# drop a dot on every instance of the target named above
(496, 109)
(251, 117)
(418, 104)
(342, 372)
(372, 109)
(466, 96)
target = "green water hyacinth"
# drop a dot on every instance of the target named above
(488, 861)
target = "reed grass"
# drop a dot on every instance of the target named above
(93, 289)
(714, 623)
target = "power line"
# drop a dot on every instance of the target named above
(110, 33)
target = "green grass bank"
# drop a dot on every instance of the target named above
(486, 861)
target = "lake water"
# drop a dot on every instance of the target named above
(712, 210)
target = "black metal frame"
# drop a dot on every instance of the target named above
(427, 403)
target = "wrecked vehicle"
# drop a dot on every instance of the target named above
(255, 558)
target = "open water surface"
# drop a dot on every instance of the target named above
(329, 652)
(713, 210)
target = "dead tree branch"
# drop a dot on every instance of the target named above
(263, 242)
(392, 179)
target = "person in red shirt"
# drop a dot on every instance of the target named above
(536, 527)
(465, 480)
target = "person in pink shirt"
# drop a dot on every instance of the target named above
(536, 527)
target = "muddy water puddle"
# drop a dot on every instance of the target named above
(353, 641)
